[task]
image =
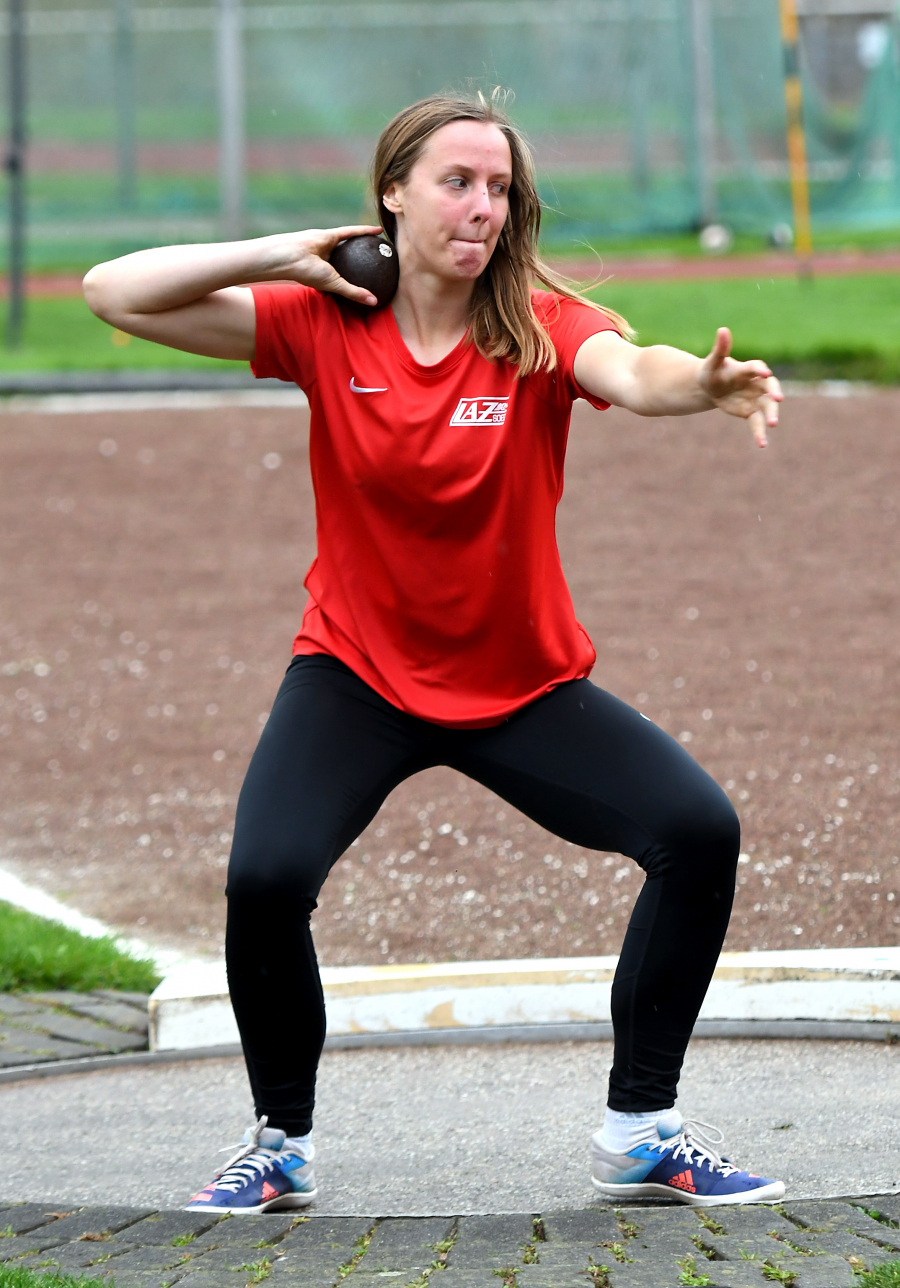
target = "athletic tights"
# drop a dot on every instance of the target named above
(579, 762)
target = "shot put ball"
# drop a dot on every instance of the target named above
(369, 261)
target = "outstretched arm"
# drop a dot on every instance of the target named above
(661, 381)
(193, 297)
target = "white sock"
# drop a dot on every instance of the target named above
(301, 1145)
(621, 1133)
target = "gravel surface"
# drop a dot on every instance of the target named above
(444, 1129)
(150, 587)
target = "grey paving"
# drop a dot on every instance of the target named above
(40, 1027)
(629, 1247)
(430, 1131)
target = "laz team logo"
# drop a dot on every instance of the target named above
(480, 411)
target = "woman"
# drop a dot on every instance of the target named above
(439, 628)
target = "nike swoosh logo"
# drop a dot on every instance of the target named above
(358, 389)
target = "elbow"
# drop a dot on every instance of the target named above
(99, 294)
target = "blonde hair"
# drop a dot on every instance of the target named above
(502, 321)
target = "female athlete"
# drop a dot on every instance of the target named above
(439, 629)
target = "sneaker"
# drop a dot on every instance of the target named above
(683, 1166)
(260, 1177)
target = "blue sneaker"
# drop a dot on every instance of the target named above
(683, 1166)
(260, 1177)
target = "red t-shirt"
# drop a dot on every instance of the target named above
(438, 579)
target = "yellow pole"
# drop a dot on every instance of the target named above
(796, 139)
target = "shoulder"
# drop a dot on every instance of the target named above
(553, 310)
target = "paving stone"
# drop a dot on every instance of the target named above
(268, 1228)
(22, 1217)
(825, 1272)
(540, 1276)
(590, 1225)
(146, 1259)
(11, 1004)
(753, 1220)
(325, 1233)
(455, 1277)
(215, 1279)
(38, 1046)
(115, 1013)
(163, 1227)
(140, 1000)
(233, 1257)
(494, 1242)
(96, 1220)
(407, 1243)
(887, 1204)
(74, 1029)
(25, 1244)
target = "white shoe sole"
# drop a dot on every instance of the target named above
(284, 1203)
(765, 1194)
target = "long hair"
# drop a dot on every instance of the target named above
(502, 321)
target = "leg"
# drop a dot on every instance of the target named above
(330, 753)
(595, 772)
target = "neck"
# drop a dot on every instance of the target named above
(432, 314)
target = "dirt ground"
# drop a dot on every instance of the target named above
(151, 584)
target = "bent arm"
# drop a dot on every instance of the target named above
(195, 297)
(662, 381)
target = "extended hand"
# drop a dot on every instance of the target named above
(311, 266)
(745, 389)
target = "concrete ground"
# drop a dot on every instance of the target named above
(453, 1130)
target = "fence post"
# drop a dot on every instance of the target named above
(232, 142)
(126, 166)
(796, 139)
(704, 110)
(15, 168)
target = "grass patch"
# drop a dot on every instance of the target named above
(19, 1277)
(63, 335)
(40, 954)
(832, 328)
(887, 1275)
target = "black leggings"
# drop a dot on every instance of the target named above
(578, 761)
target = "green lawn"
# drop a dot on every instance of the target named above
(40, 954)
(833, 327)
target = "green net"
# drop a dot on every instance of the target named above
(125, 113)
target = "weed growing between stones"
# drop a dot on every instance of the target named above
(362, 1247)
(442, 1251)
(598, 1275)
(182, 1240)
(689, 1273)
(778, 1274)
(709, 1222)
(881, 1217)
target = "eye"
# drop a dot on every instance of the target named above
(457, 183)
(499, 189)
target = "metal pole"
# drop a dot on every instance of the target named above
(232, 141)
(15, 168)
(796, 139)
(637, 104)
(704, 110)
(126, 165)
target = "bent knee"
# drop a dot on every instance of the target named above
(704, 834)
(275, 875)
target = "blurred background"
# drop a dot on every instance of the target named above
(651, 120)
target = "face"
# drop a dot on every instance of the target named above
(455, 201)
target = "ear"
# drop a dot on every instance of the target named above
(391, 200)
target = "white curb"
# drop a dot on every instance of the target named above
(191, 1007)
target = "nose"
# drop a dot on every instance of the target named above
(481, 205)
